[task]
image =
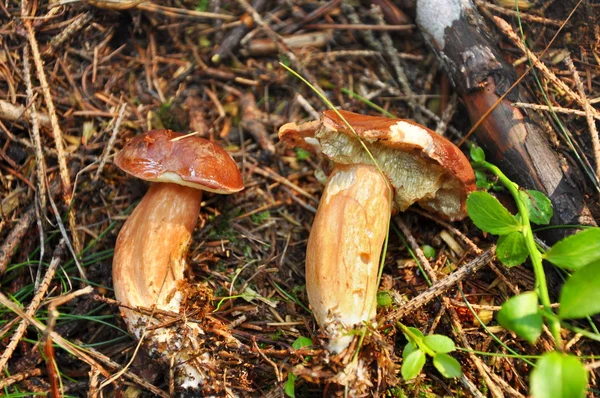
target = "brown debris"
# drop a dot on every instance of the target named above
(78, 80)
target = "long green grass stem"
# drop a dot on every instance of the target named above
(534, 253)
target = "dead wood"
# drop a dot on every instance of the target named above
(513, 138)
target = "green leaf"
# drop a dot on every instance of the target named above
(482, 180)
(580, 295)
(511, 249)
(289, 388)
(522, 315)
(428, 251)
(558, 376)
(538, 206)
(301, 154)
(413, 361)
(447, 365)
(302, 342)
(477, 154)
(440, 344)
(408, 348)
(384, 299)
(489, 215)
(414, 331)
(576, 251)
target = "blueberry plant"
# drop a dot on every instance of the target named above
(557, 373)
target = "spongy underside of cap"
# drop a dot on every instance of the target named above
(171, 177)
(414, 178)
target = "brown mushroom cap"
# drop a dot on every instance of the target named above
(421, 165)
(192, 161)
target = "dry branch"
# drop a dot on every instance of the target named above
(511, 138)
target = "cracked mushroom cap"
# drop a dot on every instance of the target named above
(421, 165)
(164, 156)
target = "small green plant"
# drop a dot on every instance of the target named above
(429, 252)
(260, 217)
(302, 154)
(556, 374)
(384, 299)
(290, 385)
(436, 346)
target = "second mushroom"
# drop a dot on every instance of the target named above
(346, 238)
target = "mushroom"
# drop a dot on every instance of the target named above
(346, 239)
(149, 258)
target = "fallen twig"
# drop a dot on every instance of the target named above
(441, 286)
(14, 239)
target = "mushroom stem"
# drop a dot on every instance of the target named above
(149, 258)
(148, 266)
(344, 248)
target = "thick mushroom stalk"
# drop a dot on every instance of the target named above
(349, 229)
(344, 247)
(150, 255)
(148, 267)
(149, 258)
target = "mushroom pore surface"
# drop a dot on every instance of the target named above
(414, 178)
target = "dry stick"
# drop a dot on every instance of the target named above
(458, 332)
(111, 140)
(510, 33)
(131, 376)
(415, 247)
(392, 53)
(262, 47)
(520, 14)
(65, 236)
(86, 355)
(472, 388)
(93, 383)
(40, 163)
(14, 113)
(557, 109)
(33, 305)
(504, 279)
(232, 39)
(471, 246)
(56, 130)
(447, 115)
(441, 286)
(317, 13)
(58, 339)
(588, 113)
(308, 108)
(53, 314)
(276, 177)
(367, 35)
(281, 44)
(8, 381)
(338, 26)
(362, 54)
(14, 238)
(183, 13)
(75, 26)
(250, 122)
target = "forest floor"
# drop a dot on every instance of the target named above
(80, 79)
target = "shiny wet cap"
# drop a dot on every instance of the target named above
(164, 156)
